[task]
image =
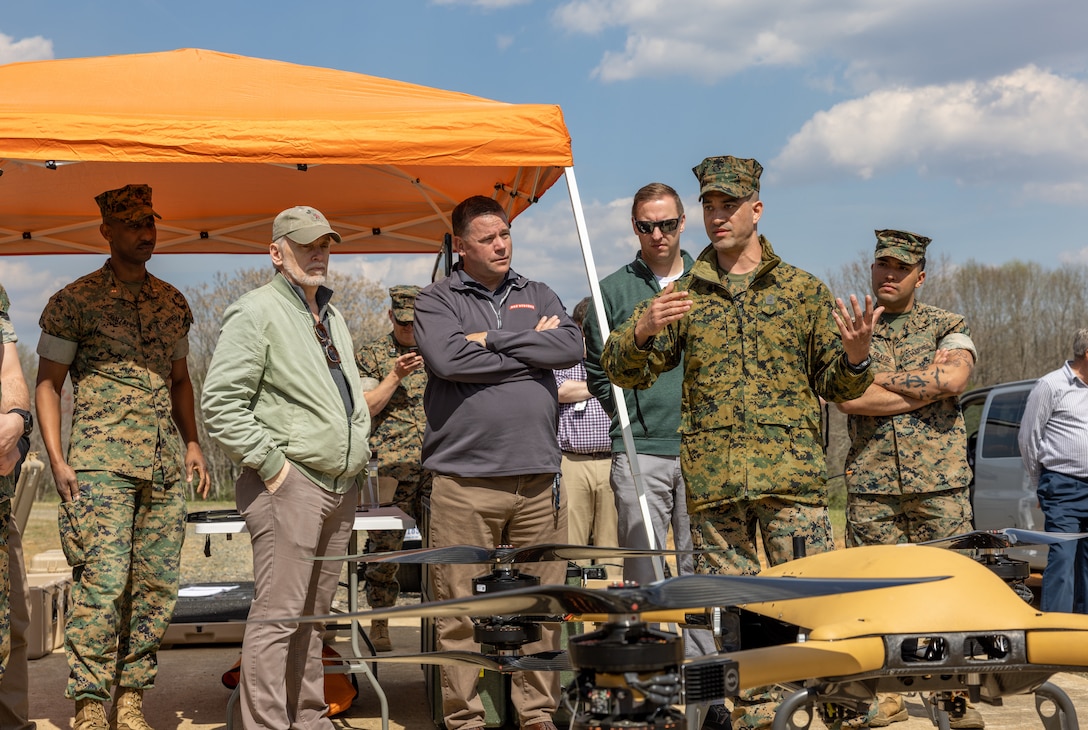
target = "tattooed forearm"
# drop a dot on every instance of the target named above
(945, 377)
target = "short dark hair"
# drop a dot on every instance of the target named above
(653, 191)
(471, 208)
(580, 311)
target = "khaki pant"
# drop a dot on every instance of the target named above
(591, 507)
(282, 680)
(515, 510)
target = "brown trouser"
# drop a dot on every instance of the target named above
(518, 511)
(282, 682)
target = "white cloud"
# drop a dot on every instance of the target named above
(388, 270)
(870, 42)
(546, 246)
(1027, 127)
(1078, 257)
(29, 284)
(27, 49)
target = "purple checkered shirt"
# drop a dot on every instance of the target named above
(582, 431)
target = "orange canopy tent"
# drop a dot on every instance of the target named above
(227, 141)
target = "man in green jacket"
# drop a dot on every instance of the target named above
(283, 398)
(657, 218)
(760, 342)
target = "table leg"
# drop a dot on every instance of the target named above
(357, 629)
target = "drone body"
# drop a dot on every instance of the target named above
(969, 632)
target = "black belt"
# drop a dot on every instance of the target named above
(592, 454)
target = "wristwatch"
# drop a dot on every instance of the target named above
(861, 367)
(28, 420)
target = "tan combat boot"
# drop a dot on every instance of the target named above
(128, 710)
(90, 715)
(890, 708)
(379, 635)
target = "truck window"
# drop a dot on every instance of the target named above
(1002, 426)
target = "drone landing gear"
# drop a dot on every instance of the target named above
(1055, 708)
(942, 706)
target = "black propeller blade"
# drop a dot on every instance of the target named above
(1003, 538)
(469, 554)
(683, 592)
(546, 661)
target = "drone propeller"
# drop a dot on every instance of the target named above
(470, 554)
(545, 661)
(1003, 539)
(686, 591)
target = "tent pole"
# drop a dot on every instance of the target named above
(617, 393)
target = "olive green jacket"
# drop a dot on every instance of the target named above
(269, 397)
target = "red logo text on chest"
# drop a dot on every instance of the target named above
(522, 306)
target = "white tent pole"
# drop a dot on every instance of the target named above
(617, 393)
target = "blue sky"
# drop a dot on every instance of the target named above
(966, 121)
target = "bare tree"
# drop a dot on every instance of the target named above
(29, 361)
(1022, 316)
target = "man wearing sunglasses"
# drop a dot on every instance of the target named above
(283, 398)
(657, 219)
(490, 339)
(759, 343)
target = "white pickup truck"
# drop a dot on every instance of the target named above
(999, 491)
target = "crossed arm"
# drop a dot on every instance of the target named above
(903, 391)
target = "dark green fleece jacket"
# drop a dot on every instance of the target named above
(654, 412)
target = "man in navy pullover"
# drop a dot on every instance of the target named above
(490, 339)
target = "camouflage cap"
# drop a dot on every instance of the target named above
(910, 248)
(128, 204)
(403, 297)
(736, 177)
(302, 224)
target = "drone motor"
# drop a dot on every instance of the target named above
(505, 633)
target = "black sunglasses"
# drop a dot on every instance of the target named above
(403, 324)
(666, 226)
(331, 353)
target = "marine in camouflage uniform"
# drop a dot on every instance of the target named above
(760, 342)
(907, 474)
(121, 334)
(394, 380)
